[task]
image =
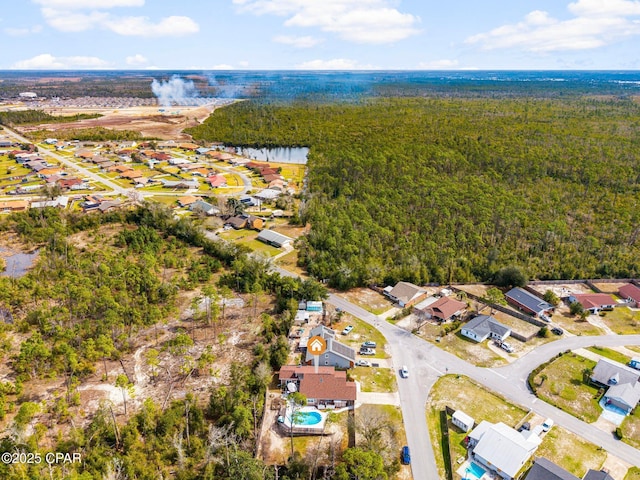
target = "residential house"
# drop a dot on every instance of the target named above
(188, 146)
(544, 469)
(502, 449)
(631, 294)
(274, 238)
(200, 206)
(328, 388)
(178, 161)
(141, 182)
(201, 172)
(596, 475)
(405, 294)
(593, 302)
(166, 144)
(442, 310)
(238, 222)
(463, 421)
(257, 165)
(255, 222)
(68, 183)
(268, 194)
(14, 205)
(528, 302)
(85, 154)
(622, 383)
(187, 184)
(60, 201)
(187, 200)
(132, 174)
(217, 181)
(482, 327)
(271, 178)
(336, 354)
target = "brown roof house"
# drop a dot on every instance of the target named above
(187, 200)
(631, 294)
(405, 294)
(326, 389)
(593, 302)
(442, 310)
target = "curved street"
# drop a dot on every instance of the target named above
(427, 362)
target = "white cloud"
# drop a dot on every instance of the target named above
(48, 61)
(608, 8)
(19, 32)
(83, 15)
(359, 21)
(93, 4)
(243, 63)
(596, 23)
(174, 26)
(297, 42)
(136, 60)
(334, 64)
(67, 21)
(439, 65)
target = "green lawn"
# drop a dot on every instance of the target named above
(461, 393)
(571, 452)
(633, 474)
(361, 332)
(623, 321)
(473, 352)
(611, 354)
(562, 384)
(375, 379)
(631, 429)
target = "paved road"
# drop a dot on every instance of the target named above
(426, 363)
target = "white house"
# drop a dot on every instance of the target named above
(483, 327)
(463, 421)
(502, 449)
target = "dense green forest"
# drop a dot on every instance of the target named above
(23, 117)
(442, 189)
(94, 134)
(84, 305)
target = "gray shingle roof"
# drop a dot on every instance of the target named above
(274, 238)
(597, 475)
(529, 300)
(482, 325)
(627, 393)
(606, 369)
(544, 469)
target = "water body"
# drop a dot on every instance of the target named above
(18, 264)
(296, 155)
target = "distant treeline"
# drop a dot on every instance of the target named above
(24, 117)
(94, 134)
(441, 190)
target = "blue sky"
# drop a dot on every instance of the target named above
(320, 34)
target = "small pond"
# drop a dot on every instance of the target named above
(278, 155)
(17, 264)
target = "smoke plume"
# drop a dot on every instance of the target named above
(175, 91)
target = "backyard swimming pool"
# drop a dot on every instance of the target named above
(474, 472)
(308, 418)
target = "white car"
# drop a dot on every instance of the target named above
(363, 363)
(506, 347)
(404, 372)
(547, 424)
